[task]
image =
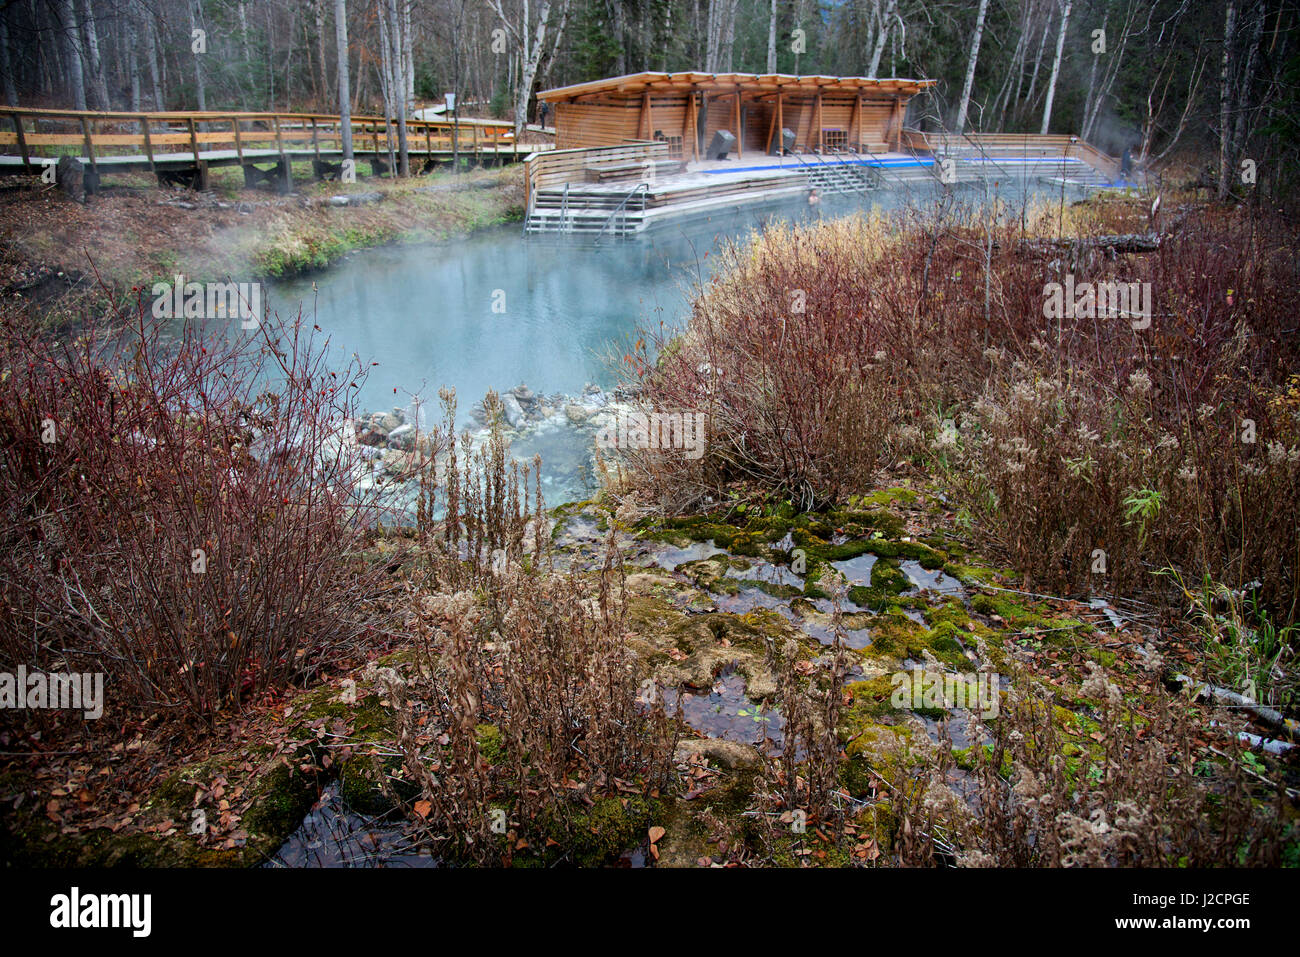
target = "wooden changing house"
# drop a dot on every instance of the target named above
(685, 110)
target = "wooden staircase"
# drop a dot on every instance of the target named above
(581, 213)
(840, 175)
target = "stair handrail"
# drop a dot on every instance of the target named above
(621, 208)
(808, 166)
(837, 171)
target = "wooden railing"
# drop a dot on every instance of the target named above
(94, 136)
(557, 167)
(995, 145)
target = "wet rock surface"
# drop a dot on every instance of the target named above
(708, 600)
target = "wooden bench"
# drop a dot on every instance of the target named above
(605, 171)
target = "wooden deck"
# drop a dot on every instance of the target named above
(617, 192)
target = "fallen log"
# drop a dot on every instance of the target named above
(1232, 699)
(1129, 243)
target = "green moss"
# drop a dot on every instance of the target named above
(887, 582)
(599, 834)
(1028, 616)
(284, 796)
(782, 850)
(1104, 658)
(489, 743)
(972, 575)
(369, 783)
(871, 701)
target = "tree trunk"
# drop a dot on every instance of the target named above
(71, 34)
(1225, 99)
(729, 41)
(711, 35)
(970, 66)
(881, 37)
(322, 74)
(401, 56)
(386, 86)
(1017, 70)
(196, 19)
(549, 63)
(531, 52)
(135, 47)
(620, 31)
(771, 40)
(6, 62)
(408, 59)
(98, 85)
(391, 34)
(243, 32)
(1111, 72)
(345, 93)
(1038, 60)
(1092, 85)
(1247, 82)
(1056, 67)
(150, 32)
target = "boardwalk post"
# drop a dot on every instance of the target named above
(315, 140)
(92, 178)
(194, 140)
(239, 143)
(148, 142)
(22, 141)
(90, 145)
(283, 169)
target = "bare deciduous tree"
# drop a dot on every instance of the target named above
(344, 82)
(1056, 66)
(970, 65)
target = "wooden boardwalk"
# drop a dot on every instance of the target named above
(181, 147)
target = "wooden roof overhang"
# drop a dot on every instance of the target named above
(748, 85)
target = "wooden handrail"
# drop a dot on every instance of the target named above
(158, 134)
(555, 167)
(1064, 144)
(185, 115)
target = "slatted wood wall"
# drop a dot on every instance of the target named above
(612, 120)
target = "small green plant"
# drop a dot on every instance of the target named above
(1250, 761)
(1141, 508)
(1247, 651)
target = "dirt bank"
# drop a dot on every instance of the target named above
(54, 250)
